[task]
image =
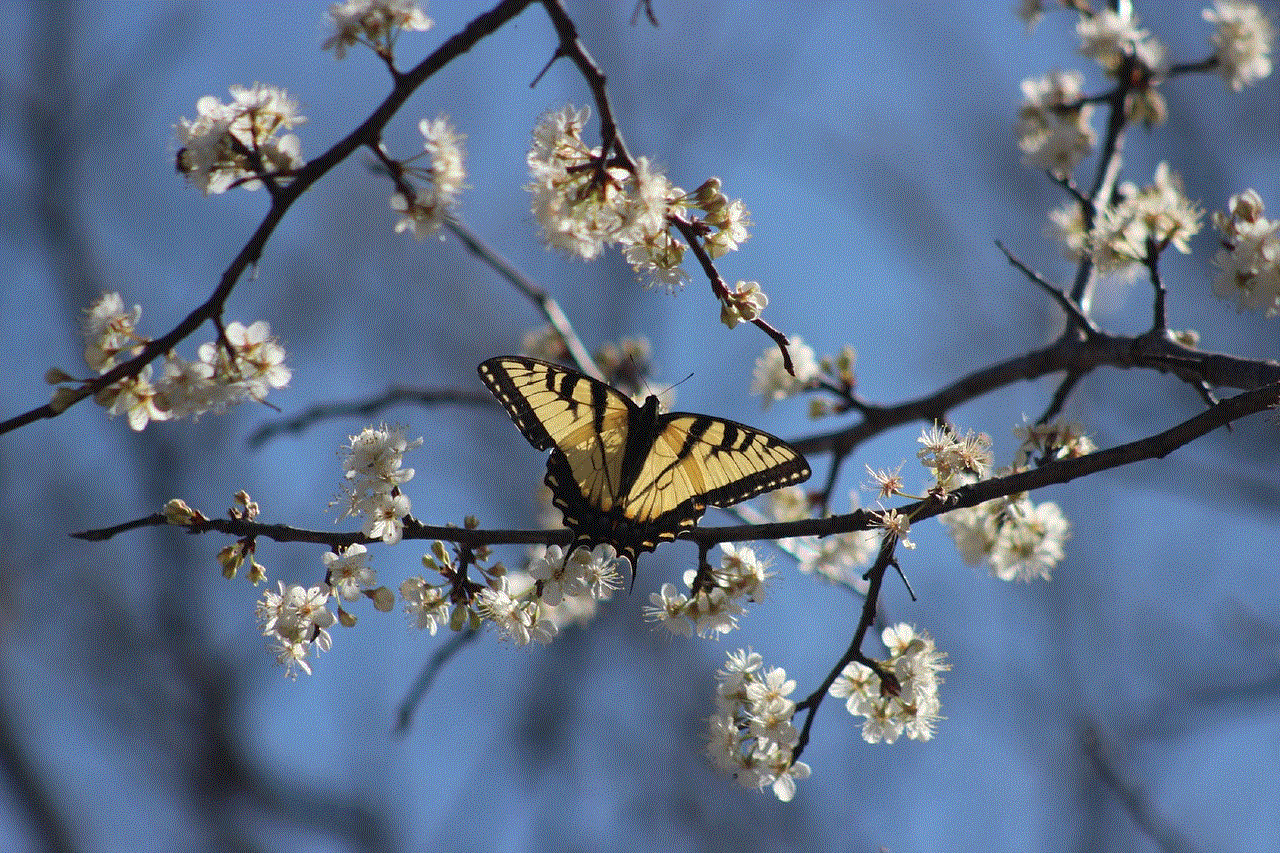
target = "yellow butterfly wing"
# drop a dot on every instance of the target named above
(624, 475)
(706, 461)
(555, 407)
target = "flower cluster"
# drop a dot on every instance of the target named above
(245, 365)
(1158, 215)
(912, 709)
(1045, 442)
(428, 604)
(896, 524)
(751, 735)
(839, 558)
(1242, 41)
(524, 607)
(232, 557)
(1107, 37)
(569, 591)
(1249, 262)
(374, 475)
(350, 577)
(583, 201)
(374, 23)
(1054, 129)
(953, 459)
(109, 330)
(1016, 538)
(790, 503)
(297, 619)
(1066, 226)
(517, 615)
(714, 609)
(770, 378)
(236, 144)
(742, 304)
(589, 574)
(1053, 126)
(450, 601)
(423, 209)
(729, 218)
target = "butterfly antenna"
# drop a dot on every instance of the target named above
(673, 385)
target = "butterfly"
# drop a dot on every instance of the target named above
(627, 475)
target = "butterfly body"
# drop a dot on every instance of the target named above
(627, 475)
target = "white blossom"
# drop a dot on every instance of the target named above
(297, 619)
(1107, 37)
(1249, 261)
(236, 143)
(108, 331)
(913, 711)
(1242, 40)
(372, 22)
(1017, 539)
(517, 619)
(743, 303)
(770, 378)
(349, 573)
(1159, 213)
(425, 210)
(714, 609)
(751, 735)
(1054, 130)
(426, 603)
(374, 471)
(582, 205)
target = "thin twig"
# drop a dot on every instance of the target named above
(1068, 354)
(537, 295)
(364, 408)
(1074, 315)
(433, 667)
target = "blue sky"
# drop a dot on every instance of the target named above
(876, 154)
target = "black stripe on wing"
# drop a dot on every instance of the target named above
(592, 526)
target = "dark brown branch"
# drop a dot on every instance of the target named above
(1052, 473)
(875, 578)
(1060, 395)
(1109, 163)
(1074, 315)
(1159, 321)
(721, 288)
(364, 408)
(573, 48)
(1056, 472)
(413, 530)
(1068, 355)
